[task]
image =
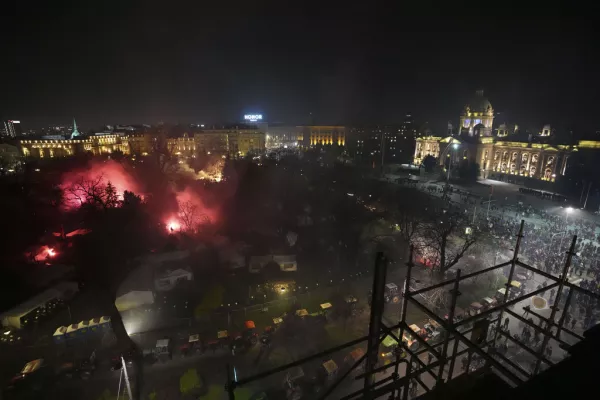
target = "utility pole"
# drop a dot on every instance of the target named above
(382, 153)
(587, 195)
(127, 384)
(487, 216)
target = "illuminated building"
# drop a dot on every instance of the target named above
(12, 128)
(96, 145)
(477, 117)
(323, 135)
(9, 156)
(244, 143)
(215, 141)
(182, 146)
(508, 153)
(234, 141)
(279, 136)
(392, 144)
(75, 132)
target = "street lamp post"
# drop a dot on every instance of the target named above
(454, 146)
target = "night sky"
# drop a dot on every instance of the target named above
(138, 63)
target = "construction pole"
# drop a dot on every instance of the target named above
(554, 307)
(127, 384)
(230, 387)
(564, 313)
(377, 304)
(487, 216)
(587, 195)
(383, 154)
(455, 293)
(119, 388)
(510, 276)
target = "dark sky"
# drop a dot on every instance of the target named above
(139, 63)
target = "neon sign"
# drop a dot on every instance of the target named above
(253, 117)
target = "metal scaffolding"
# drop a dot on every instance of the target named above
(454, 331)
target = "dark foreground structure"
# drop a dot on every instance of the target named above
(482, 334)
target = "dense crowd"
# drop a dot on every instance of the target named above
(544, 195)
(546, 240)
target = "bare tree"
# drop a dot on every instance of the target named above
(445, 239)
(191, 217)
(92, 192)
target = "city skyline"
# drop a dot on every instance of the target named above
(167, 67)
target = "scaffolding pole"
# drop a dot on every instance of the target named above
(534, 326)
(377, 303)
(564, 314)
(510, 276)
(548, 321)
(500, 364)
(455, 294)
(474, 347)
(563, 279)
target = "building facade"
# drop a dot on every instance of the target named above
(314, 135)
(233, 143)
(477, 117)
(506, 153)
(12, 128)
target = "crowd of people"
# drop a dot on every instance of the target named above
(546, 240)
(542, 194)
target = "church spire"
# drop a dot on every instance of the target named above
(75, 132)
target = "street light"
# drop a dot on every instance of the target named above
(455, 145)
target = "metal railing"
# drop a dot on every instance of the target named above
(454, 330)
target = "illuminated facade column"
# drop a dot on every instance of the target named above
(563, 167)
(518, 163)
(554, 164)
(539, 165)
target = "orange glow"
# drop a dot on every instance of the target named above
(104, 172)
(173, 225)
(44, 253)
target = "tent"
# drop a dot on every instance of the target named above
(134, 299)
(71, 330)
(14, 318)
(59, 335)
(105, 323)
(94, 325)
(82, 327)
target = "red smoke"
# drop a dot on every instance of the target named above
(191, 211)
(106, 171)
(45, 253)
(188, 214)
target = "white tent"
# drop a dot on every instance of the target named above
(62, 291)
(134, 299)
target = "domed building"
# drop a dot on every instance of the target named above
(511, 155)
(477, 117)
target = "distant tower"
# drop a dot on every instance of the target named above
(75, 132)
(477, 116)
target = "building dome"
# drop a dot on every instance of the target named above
(479, 103)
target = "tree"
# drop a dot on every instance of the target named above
(429, 162)
(191, 217)
(104, 257)
(444, 239)
(92, 192)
